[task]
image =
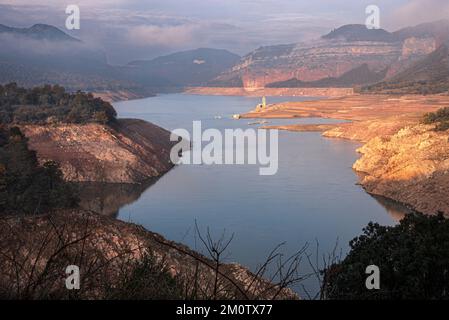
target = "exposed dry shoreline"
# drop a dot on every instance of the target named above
(127, 151)
(120, 95)
(258, 92)
(125, 95)
(401, 160)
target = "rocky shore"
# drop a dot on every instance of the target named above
(401, 159)
(127, 151)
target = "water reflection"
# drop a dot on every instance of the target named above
(396, 210)
(108, 198)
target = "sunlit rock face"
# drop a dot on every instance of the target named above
(130, 151)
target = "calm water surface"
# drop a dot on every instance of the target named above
(313, 196)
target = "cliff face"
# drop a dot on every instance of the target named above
(411, 166)
(322, 59)
(105, 249)
(401, 160)
(130, 151)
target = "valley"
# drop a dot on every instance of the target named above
(358, 172)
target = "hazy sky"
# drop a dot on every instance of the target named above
(137, 29)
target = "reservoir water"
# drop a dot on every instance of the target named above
(313, 197)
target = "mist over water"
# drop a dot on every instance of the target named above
(313, 197)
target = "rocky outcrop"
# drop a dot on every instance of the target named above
(105, 249)
(128, 151)
(411, 167)
(366, 130)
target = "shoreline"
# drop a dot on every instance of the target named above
(259, 92)
(401, 159)
(128, 95)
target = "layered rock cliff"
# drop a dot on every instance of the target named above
(339, 52)
(128, 151)
(323, 59)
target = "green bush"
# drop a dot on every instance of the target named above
(413, 258)
(51, 104)
(25, 186)
(440, 118)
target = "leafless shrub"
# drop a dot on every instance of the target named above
(319, 262)
(34, 257)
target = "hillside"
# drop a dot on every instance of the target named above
(82, 135)
(109, 252)
(437, 29)
(359, 32)
(38, 32)
(357, 76)
(187, 68)
(427, 76)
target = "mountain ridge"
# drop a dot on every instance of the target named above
(39, 31)
(334, 54)
(185, 68)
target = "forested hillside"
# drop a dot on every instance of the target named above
(51, 104)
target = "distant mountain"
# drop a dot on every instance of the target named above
(350, 55)
(187, 68)
(325, 60)
(437, 29)
(359, 32)
(361, 75)
(429, 75)
(38, 32)
(44, 54)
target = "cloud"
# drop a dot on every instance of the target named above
(136, 29)
(57, 3)
(418, 11)
(167, 36)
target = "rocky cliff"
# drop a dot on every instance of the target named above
(429, 75)
(410, 166)
(310, 61)
(128, 151)
(335, 54)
